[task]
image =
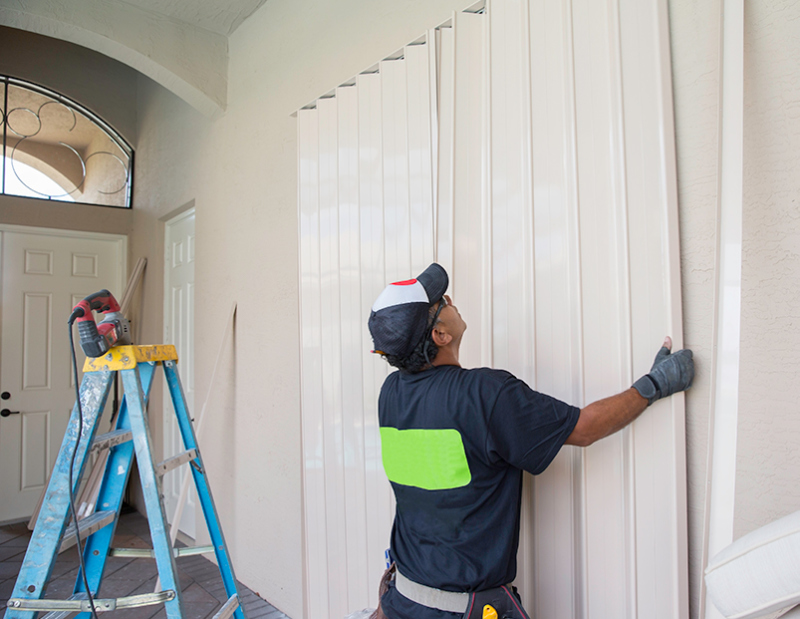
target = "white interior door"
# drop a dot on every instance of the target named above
(44, 274)
(179, 330)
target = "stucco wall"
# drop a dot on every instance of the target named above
(769, 426)
(103, 85)
(768, 466)
(63, 215)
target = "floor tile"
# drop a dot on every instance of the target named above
(139, 571)
(114, 564)
(10, 552)
(65, 570)
(6, 587)
(20, 528)
(196, 593)
(10, 569)
(219, 594)
(198, 610)
(268, 612)
(200, 581)
(129, 541)
(6, 535)
(60, 588)
(17, 541)
(117, 588)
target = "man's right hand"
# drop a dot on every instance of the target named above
(671, 373)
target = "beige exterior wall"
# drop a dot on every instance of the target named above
(240, 171)
(769, 427)
(768, 466)
(63, 215)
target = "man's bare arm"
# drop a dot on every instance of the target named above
(670, 374)
(606, 416)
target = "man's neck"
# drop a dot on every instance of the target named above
(446, 356)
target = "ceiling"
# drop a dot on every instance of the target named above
(220, 16)
(180, 44)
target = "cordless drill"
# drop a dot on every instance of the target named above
(112, 330)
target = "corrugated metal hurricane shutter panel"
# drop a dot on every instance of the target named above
(529, 149)
(366, 217)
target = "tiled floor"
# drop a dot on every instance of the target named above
(201, 584)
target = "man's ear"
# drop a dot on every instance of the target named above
(441, 337)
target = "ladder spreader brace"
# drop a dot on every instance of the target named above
(51, 535)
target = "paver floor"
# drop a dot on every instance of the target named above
(201, 584)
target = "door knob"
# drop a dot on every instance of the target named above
(5, 395)
(5, 412)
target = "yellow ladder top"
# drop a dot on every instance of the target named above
(127, 357)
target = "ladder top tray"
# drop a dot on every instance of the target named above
(127, 357)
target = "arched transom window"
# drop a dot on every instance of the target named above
(55, 149)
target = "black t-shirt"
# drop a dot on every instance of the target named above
(455, 443)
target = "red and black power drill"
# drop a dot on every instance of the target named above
(113, 330)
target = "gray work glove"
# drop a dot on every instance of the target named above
(670, 373)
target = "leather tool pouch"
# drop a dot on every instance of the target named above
(498, 603)
(387, 577)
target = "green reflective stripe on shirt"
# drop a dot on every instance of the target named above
(427, 459)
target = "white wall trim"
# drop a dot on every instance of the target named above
(723, 419)
(62, 232)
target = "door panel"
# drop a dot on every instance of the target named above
(44, 274)
(35, 441)
(36, 318)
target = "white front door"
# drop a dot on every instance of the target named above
(179, 330)
(44, 274)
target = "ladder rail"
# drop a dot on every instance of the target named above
(152, 491)
(51, 522)
(112, 490)
(202, 485)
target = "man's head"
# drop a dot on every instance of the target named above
(402, 318)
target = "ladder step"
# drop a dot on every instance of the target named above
(86, 527)
(175, 461)
(228, 608)
(76, 605)
(110, 439)
(139, 553)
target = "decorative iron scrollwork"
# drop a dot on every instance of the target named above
(68, 143)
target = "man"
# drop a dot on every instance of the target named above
(455, 443)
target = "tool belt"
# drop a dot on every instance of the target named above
(496, 603)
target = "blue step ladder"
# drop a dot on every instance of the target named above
(51, 535)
